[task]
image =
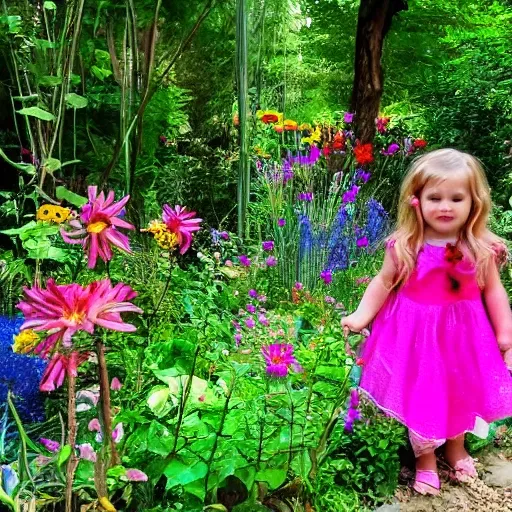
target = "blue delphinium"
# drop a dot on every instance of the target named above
(19, 373)
(338, 244)
(306, 236)
(377, 222)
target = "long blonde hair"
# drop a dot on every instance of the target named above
(475, 239)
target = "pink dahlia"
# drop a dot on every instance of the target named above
(180, 222)
(62, 310)
(279, 357)
(97, 230)
(58, 367)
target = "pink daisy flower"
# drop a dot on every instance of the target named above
(97, 229)
(180, 222)
(279, 357)
(62, 310)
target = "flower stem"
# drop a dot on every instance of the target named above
(105, 404)
(164, 291)
(72, 461)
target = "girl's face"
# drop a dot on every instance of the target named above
(445, 205)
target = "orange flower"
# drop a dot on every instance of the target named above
(290, 125)
(364, 153)
(279, 128)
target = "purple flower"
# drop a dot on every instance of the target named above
(263, 320)
(350, 195)
(348, 117)
(305, 196)
(94, 425)
(238, 339)
(271, 261)
(391, 150)
(262, 298)
(253, 293)
(86, 452)
(51, 446)
(250, 323)
(298, 286)
(281, 222)
(279, 357)
(329, 299)
(362, 242)
(224, 235)
(236, 325)
(244, 260)
(136, 475)
(251, 308)
(268, 245)
(326, 276)
(363, 175)
(354, 398)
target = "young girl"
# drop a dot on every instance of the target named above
(441, 339)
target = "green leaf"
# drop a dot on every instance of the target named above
(4, 498)
(50, 6)
(116, 471)
(37, 112)
(160, 440)
(62, 193)
(197, 488)
(49, 81)
(51, 165)
(64, 454)
(28, 168)
(274, 477)
(178, 473)
(76, 101)
(100, 73)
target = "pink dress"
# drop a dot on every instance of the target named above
(432, 360)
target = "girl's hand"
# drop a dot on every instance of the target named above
(354, 323)
(507, 357)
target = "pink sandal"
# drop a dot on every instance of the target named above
(464, 470)
(427, 482)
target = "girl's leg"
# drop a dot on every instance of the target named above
(427, 479)
(459, 459)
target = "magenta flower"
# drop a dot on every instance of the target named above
(262, 298)
(251, 308)
(350, 195)
(249, 323)
(281, 223)
(391, 150)
(115, 385)
(244, 260)
(348, 117)
(326, 276)
(238, 339)
(268, 245)
(279, 357)
(118, 433)
(180, 222)
(62, 310)
(86, 452)
(362, 242)
(59, 366)
(97, 229)
(263, 320)
(354, 398)
(51, 446)
(135, 475)
(298, 286)
(271, 261)
(253, 293)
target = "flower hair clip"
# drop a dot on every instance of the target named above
(414, 201)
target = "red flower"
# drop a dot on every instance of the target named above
(326, 150)
(364, 153)
(452, 254)
(419, 143)
(278, 128)
(269, 118)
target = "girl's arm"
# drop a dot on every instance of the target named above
(498, 308)
(374, 296)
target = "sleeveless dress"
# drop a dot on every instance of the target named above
(432, 360)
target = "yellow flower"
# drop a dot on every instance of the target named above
(156, 227)
(166, 240)
(305, 126)
(25, 341)
(53, 213)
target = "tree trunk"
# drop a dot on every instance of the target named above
(374, 21)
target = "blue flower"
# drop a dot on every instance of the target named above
(377, 223)
(9, 479)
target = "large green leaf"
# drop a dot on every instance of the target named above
(37, 112)
(160, 440)
(76, 101)
(49, 81)
(51, 165)
(64, 454)
(158, 401)
(274, 477)
(179, 473)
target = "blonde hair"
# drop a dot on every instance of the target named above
(475, 239)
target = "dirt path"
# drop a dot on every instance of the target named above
(491, 493)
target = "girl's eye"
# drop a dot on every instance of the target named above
(434, 198)
(457, 199)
